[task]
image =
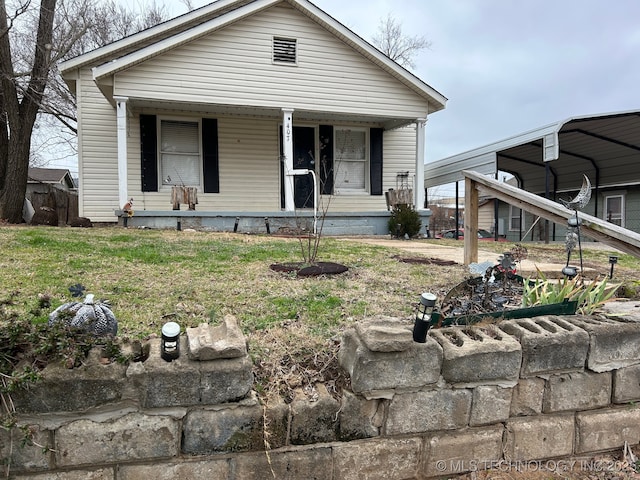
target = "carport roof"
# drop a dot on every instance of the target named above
(605, 147)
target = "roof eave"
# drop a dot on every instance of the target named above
(157, 31)
(437, 101)
(110, 68)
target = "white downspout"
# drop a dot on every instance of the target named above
(418, 188)
(121, 117)
(287, 149)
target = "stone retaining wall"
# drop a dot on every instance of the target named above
(469, 398)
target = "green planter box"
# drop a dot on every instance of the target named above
(564, 308)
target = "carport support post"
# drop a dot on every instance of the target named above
(547, 169)
(470, 221)
(418, 188)
(287, 149)
(121, 118)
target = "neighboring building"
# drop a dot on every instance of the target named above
(59, 177)
(241, 100)
(550, 161)
(443, 215)
(486, 215)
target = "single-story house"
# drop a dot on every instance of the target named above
(59, 177)
(261, 111)
(446, 213)
(550, 161)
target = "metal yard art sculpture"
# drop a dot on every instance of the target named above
(573, 232)
(487, 296)
(94, 317)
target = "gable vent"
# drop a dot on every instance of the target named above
(284, 50)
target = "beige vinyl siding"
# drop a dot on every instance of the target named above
(485, 216)
(234, 66)
(249, 164)
(249, 168)
(97, 152)
(399, 155)
(250, 172)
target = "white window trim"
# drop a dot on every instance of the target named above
(161, 185)
(605, 213)
(367, 162)
(520, 215)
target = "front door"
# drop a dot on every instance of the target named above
(304, 147)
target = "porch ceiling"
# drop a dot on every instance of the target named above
(604, 147)
(331, 117)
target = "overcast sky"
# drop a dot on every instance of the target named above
(508, 66)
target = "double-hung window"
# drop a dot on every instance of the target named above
(180, 155)
(351, 159)
(614, 209)
(515, 217)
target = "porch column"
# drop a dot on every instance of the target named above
(287, 149)
(121, 115)
(418, 189)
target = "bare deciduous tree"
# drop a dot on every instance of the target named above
(21, 93)
(394, 44)
(33, 38)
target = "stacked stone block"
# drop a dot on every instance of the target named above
(467, 399)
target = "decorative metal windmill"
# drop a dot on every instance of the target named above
(573, 232)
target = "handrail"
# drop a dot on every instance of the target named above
(623, 239)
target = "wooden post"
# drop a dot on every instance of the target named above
(470, 221)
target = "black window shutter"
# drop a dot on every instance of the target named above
(326, 159)
(149, 153)
(210, 161)
(375, 157)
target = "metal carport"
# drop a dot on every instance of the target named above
(551, 159)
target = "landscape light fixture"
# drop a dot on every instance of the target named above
(170, 341)
(423, 317)
(613, 259)
(570, 271)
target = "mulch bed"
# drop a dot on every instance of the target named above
(306, 270)
(425, 261)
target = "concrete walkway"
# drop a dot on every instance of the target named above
(456, 254)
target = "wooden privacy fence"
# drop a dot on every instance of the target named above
(64, 202)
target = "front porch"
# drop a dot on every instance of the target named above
(335, 224)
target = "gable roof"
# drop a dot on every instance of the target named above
(146, 44)
(51, 175)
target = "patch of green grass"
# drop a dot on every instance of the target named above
(152, 276)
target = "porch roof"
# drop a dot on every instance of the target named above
(605, 147)
(301, 115)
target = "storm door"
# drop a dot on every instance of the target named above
(304, 147)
